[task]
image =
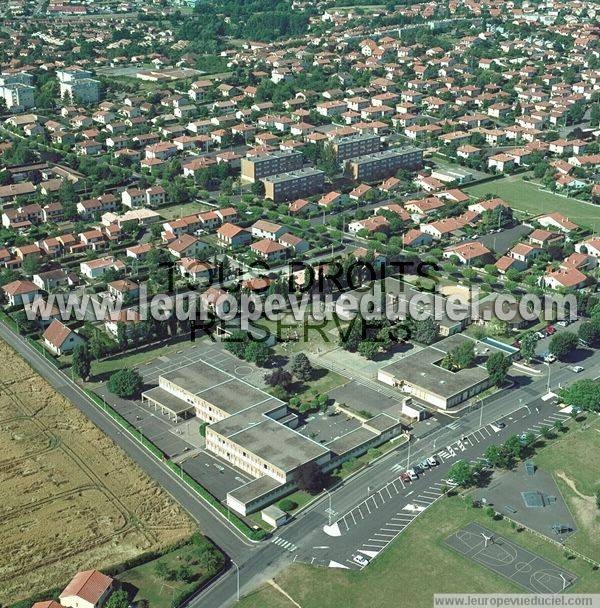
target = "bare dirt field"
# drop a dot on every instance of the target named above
(71, 499)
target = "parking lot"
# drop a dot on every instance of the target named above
(172, 438)
(214, 474)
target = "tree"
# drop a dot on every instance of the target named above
(425, 331)
(236, 343)
(562, 343)
(514, 446)
(310, 478)
(81, 361)
(584, 394)
(287, 505)
(368, 349)
(589, 332)
(545, 432)
(302, 368)
(118, 599)
(279, 377)
(125, 383)
(528, 345)
(464, 354)
(461, 472)
(31, 265)
(256, 352)
(498, 456)
(497, 367)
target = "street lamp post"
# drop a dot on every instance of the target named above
(480, 412)
(329, 511)
(237, 569)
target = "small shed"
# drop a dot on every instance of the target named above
(274, 516)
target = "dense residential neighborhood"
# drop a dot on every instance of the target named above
(311, 270)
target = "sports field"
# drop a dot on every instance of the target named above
(71, 499)
(525, 196)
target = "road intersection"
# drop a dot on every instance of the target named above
(372, 507)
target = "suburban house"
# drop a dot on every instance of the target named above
(468, 253)
(233, 236)
(59, 339)
(21, 292)
(88, 589)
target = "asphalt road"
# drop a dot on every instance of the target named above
(304, 537)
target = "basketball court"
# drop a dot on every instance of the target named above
(509, 560)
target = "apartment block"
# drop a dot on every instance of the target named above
(355, 145)
(18, 97)
(78, 85)
(380, 165)
(293, 185)
(254, 168)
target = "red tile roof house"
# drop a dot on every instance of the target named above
(416, 238)
(21, 292)
(46, 604)
(88, 589)
(123, 290)
(556, 220)
(567, 278)
(233, 236)
(59, 339)
(522, 252)
(469, 253)
(195, 269)
(545, 237)
(269, 250)
(186, 246)
(93, 269)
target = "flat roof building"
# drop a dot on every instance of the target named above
(380, 165)
(295, 184)
(421, 375)
(254, 168)
(352, 146)
(248, 428)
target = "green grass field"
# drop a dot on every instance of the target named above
(400, 572)
(575, 462)
(525, 196)
(177, 211)
(265, 597)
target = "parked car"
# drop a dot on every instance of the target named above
(550, 358)
(564, 323)
(540, 335)
(412, 474)
(550, 330)
(433, 461)
(405, 477)
(361, 560)
(424, 464)
(577, 369)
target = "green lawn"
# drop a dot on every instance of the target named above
(134, 359)
(525, 196)
(155, 589)
(177, 211)
(575, 462)
(265, 597)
